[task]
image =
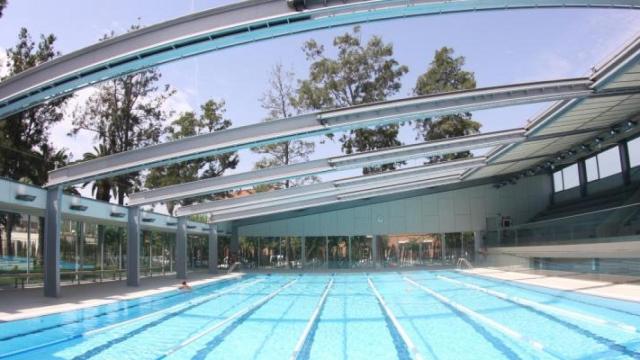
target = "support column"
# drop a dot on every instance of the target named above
(443, 245)
(625, 162)
(181, 249)
(213, 249)
(303, 251)
(477, 244)
(52, 219)
(133, 247)
(375, 246)
(582, 177)
(234, 245)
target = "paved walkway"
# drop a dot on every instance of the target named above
(610, 286)
(18, 304)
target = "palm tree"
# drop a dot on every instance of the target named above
(102, 189)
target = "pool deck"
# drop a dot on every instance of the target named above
(18, 304)
(618, 287)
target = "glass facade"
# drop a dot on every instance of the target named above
(88, 252)
(352, 252)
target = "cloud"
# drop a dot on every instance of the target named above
(4, 69)
(178, 104)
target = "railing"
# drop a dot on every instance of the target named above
(23, 279)
(620, 223)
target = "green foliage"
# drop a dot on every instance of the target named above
(359, 74)
(211, 119)
(24, 137)
(3, 5)
(125, 113)
(280, 102)
(445, 74)
(102, 189)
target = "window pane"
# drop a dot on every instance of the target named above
(609, 162)
(557, 181)
(591, 165)
(634, 152)
(570, 177)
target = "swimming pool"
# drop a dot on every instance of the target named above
(417, 314)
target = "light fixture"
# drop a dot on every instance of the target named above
(21, 194)
(76, 205)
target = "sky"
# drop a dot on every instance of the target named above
(500, 47)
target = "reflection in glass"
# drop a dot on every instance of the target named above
(315, 249)
(361, 251)
(338, 247)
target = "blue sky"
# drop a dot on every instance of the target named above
(501, 47)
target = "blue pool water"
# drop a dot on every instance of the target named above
(418, 314)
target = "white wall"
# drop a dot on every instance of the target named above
(452, 211)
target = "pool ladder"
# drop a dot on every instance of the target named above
(464, 264)
(233, 267)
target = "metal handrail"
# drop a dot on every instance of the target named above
(516, 227)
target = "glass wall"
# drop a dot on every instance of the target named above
(338, 247)
(88, 252)
(224, 243)
(20, 249)
(315, 249)
(197, 252)
(350, 252)
(361, 252)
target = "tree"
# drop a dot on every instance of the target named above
(3, 5)
(125, 113)
(24, 137)
(280, 102)
(359, 74)
(210, 120)
(102, 189)
(445, 74)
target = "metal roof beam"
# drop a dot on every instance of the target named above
(314, 167)
(223, 27)
(332, 199)
(318, 123)
(336, 187)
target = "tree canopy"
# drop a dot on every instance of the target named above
(24, 137)
(125, 113)
(280, 102)
(445, 74)
(360, 73)
(210, 119)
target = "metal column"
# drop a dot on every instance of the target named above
(213, 249)
(375, 246)
(234, 245)
(582, 176)
(443, 245)
(52, 219)
(133, 247)
(625, 162)
(181, 249)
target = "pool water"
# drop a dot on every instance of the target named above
(401, 315)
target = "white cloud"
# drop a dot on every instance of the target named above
(83, 141)
(4, 69)
(178, 104)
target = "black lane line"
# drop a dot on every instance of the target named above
(398, 343)
(216, 341)
(82, 319)
(565, 293)
(493, 340)
(612, 345)
(305, 351)
(97, 350)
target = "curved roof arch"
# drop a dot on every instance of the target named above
(231, 25)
